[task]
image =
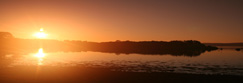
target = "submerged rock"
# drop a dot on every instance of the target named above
(237, 49)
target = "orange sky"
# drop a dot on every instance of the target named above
(90, 20)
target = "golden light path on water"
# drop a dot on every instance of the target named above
(215, 59)
(40, 55)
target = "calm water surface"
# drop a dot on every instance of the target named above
(227, 61)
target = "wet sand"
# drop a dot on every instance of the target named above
(53, 74)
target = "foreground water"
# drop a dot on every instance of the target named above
(223, 62)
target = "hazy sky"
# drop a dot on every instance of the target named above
(100, 20)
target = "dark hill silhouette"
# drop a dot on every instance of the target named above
(5, 35)
(224, 44)
(186, 48)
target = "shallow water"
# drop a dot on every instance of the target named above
(224, 62)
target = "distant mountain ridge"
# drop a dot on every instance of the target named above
(224, 44)
(186, 47)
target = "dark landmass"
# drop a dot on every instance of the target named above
(224, 44)
(221, 46)
(187, 48)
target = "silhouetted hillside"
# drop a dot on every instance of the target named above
(6, 35)
(224, 44)
(187, 48)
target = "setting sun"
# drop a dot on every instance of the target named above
(41, 34)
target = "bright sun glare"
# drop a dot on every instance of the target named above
(40, 53)
(41, 34)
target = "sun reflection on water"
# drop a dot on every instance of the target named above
(40, 55)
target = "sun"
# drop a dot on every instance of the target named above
(41, 34)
